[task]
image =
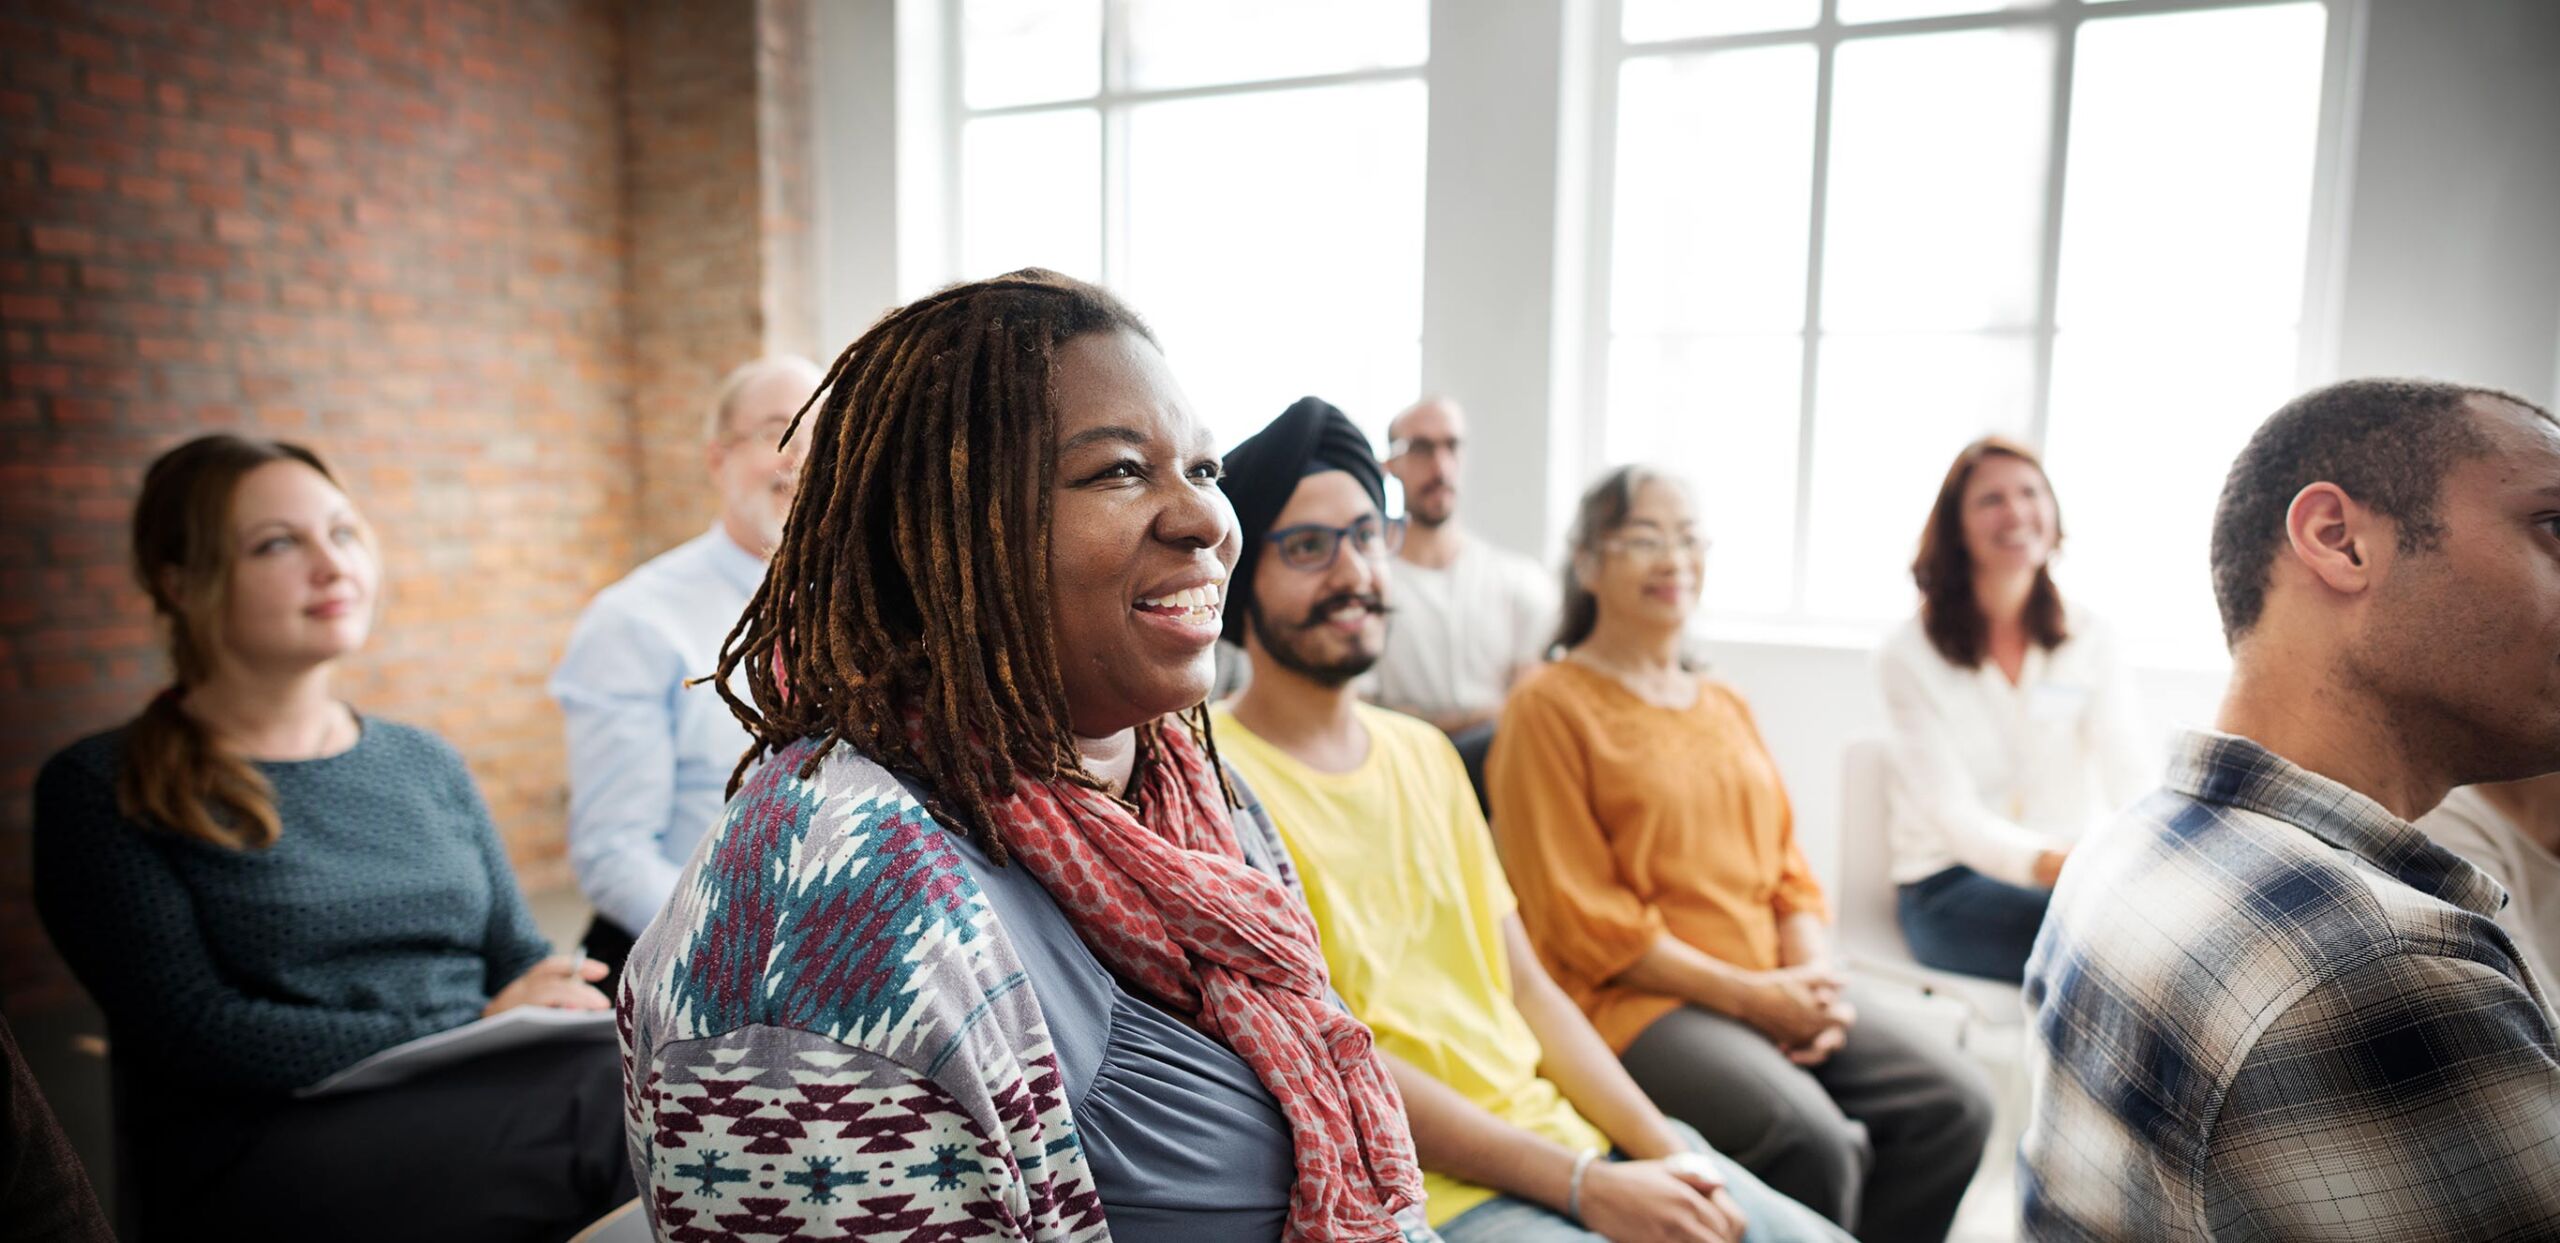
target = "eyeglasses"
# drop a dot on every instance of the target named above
(1653, 549)
(1421, 446)
(1314, 547)
(767, 433)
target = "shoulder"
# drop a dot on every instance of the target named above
(1524, 572)
(75, 792)
(1554, 687)
(1907, 658)
(1908, 644)
(1715, 692)
(398, 742)
(2092, 636)
(93, 761)
(633, 605)
(831, 903)
(1408, 734)
(2233, 914)
(1417, 743)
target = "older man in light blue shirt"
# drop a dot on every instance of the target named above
(649, 757)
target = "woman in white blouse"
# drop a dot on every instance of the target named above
(2014, 724)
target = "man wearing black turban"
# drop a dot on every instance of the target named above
(1512, 1096)
(1309, 438)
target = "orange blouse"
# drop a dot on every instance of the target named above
(1620, 820)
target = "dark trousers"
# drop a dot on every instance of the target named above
(523, 1146)
(1882, 1137)
(609, 943)
(1961, 920)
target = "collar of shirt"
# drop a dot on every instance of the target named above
(738, 567)
(2236, 772)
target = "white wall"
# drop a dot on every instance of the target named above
(2453, 219)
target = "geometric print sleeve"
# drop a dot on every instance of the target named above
(769, 1133)
(827, 1035)
(2416, 1096)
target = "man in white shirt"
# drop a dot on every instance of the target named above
(2511, 830)
(649, 757)
(1470, 617)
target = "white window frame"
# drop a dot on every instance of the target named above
(2317, 333)
(1112, 103)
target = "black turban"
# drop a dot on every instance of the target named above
(1308, 438)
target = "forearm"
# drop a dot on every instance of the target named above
(1579, 1063)
(1461, 1139)
(1803, 941)
(1674, 967)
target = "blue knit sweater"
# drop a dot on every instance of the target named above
(386, 911)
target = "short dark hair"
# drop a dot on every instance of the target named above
(2386, 442)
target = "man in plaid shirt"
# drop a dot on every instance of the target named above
(2266, 1007)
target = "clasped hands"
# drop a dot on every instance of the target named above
(1802, 1009)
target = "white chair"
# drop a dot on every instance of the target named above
(1870, 932)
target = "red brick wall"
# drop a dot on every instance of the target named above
(391, 229)
(696, 309)
(786, 129)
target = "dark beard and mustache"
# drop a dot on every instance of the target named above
(1284, 652)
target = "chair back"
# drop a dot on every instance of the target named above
(1869, 927)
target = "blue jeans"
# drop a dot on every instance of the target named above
(1768, 1216)
(1961, 920)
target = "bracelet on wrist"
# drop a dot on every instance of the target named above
(1573, 1192)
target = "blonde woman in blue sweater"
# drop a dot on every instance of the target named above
(261, 887)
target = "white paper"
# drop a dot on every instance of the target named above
(507, 1029)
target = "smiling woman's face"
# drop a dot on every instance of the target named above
(1141, 539)
(303, 571)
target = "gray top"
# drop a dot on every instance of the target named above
(386, 911)
(1184, 1142)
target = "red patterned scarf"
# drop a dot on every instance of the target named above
(1165, 897)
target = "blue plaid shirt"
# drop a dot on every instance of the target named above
(2265, 1008)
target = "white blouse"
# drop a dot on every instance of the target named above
(1990, 775)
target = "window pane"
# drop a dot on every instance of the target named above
(1204, 42)
(1647, 20)
(2189, 197)
(1275, 244)
(2142, 432)
(1721, 413)
(1714, 185)
(1031, 194)
(1899, 10)
(1937, 180)
(1889, 415)
(1030, 51)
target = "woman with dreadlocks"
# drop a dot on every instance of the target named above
(989, 943)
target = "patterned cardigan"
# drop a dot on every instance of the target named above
(827, 1035)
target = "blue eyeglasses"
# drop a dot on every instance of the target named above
(1314, 547)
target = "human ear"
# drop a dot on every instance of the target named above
(2333, 536)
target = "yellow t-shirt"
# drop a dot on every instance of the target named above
(1409, 899)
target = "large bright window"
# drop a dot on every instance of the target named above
(1248, 175)
(1848, 236)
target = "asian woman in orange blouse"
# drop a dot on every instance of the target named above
(1650, 841)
